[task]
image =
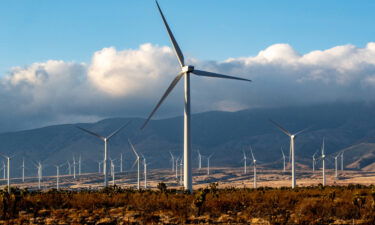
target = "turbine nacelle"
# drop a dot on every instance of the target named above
(187, 69)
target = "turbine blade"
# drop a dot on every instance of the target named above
(252, 155)
(134, 163)
(323, 147)
(280, 128)
(132, 147)
(290, 150)
(118, 130)
(301, 131)
(177, 49)
(282, 152)
(217, 75)
(92, 133)
(169, 89)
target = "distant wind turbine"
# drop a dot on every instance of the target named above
(144, 171)
(113, 171)
(4, 170)
(74, 167)
(291, 154)
(79, 165)
(245, 162)
(58, 176)
(186, 71)
(23, 170)
(199, 160)
(138, 166)
(284, 160)
(255, 169)
(314, 160)
(208, 163)
(323, 164)
(172, 160)
(8, 169)
(121, 163)
(105, 140)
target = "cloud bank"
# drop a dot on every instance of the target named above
(130, 82)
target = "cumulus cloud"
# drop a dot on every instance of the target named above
(130, 82)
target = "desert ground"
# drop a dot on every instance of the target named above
(224, 176)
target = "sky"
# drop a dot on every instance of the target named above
(75, 61)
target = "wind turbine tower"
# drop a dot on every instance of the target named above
(172, 160)
(186, 71)
(245, 162)
(105, 140)
(292, 139)
(255, 169)
(284, 159)
(138, 166)
(8, 169)
(208, 163)
(323, 164)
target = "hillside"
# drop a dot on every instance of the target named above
(224, 133)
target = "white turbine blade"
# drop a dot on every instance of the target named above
(282, 152)
(135, 162)
(169, 89)
(5, 156)
(177, 49)
(132, 147)
(118, 130)
(323, 147)
(252, 155)
(217, 75)
(301, 131)
(280, 128)
(92, 133)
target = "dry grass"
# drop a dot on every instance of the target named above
(303, 205)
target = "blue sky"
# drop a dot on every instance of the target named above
(35, 31)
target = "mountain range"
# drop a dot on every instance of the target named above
(345, 127)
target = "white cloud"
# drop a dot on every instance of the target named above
(130, 82)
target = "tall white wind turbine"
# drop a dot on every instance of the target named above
(121, 163)
(144, 171)
(138, 166)
(8, 158)
(58, 176)
(105, 140)
(113, 171)
(255, 169)
(79, 165)
(23, 170)
(40, 170)
(69, 168)
(186, 71)
(291, 153)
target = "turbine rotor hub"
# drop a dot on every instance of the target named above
(187, 69)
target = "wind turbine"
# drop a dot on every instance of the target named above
(112, 171)
(105, 140)
(186, 71)
(255, 168)
(39, 168)
(323, 164)
(136, 161)
(199, 160)
(8, 169)
(120, 162)
(291, 153)
(172, 160)
(282, 152)
(244, 161)
(58, 176)
(99, 166)
(145, 171)
(208, 163)
(74, 167)
(23, 170)
(4, 170)
(314, 161)
(79, 165)
(69, 168)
